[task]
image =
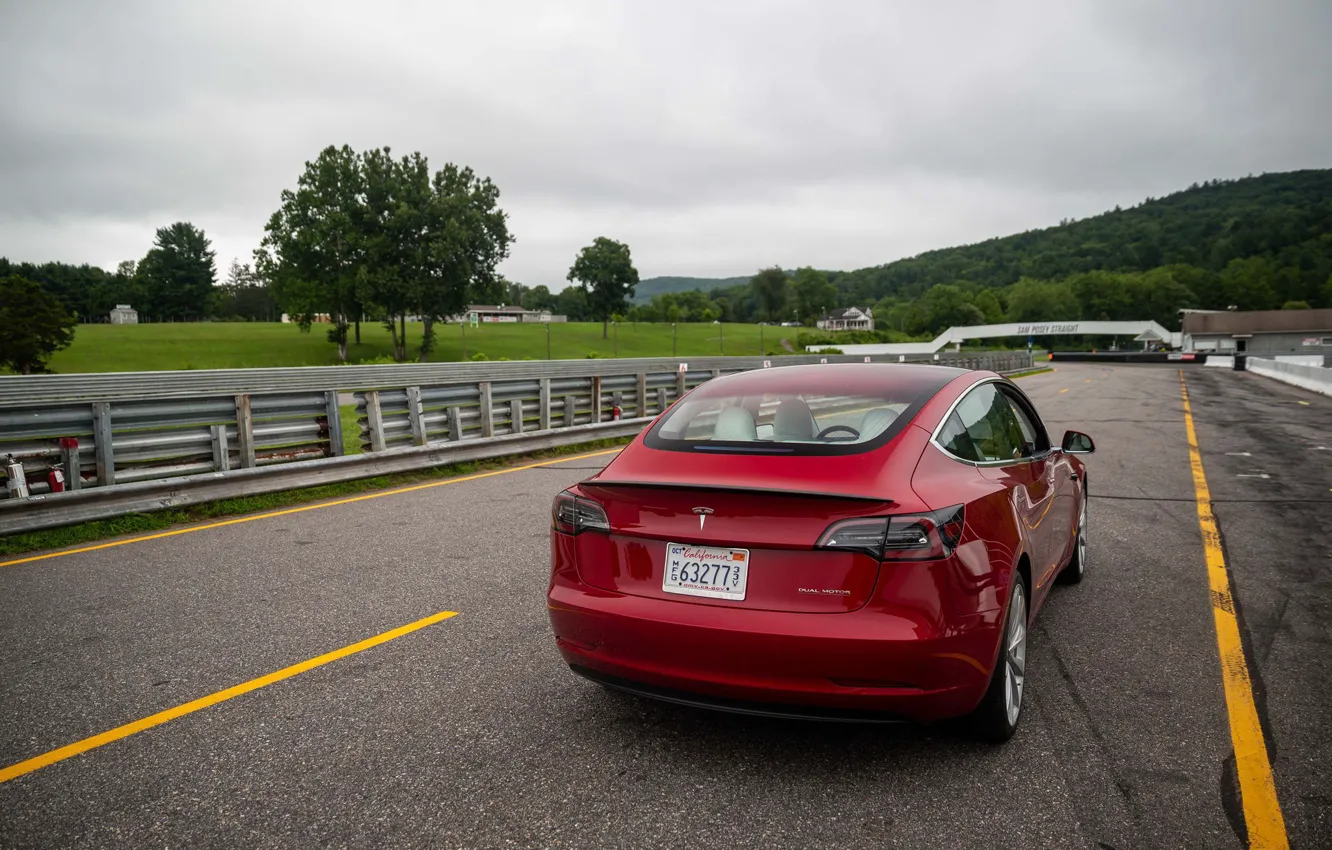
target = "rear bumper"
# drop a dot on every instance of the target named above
(870, 664)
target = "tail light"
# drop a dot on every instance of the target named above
(908, 537)
(574, 514)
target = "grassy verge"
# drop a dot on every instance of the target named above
(1030, 372)
(58, 538)
(351, 432)
(225, 345)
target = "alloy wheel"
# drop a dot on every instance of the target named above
(1015, 654)
(1082, 538)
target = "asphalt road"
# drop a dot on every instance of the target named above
(471, 732)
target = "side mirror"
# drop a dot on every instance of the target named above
(1077, 443)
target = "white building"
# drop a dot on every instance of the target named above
(505, 313)
(124, 314)
(847, 319)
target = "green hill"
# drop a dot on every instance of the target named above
(645, 289)
(1284, 217)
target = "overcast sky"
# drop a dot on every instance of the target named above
(713, 137)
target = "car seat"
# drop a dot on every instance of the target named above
(734, 423)
(875, 422)
(793, 421)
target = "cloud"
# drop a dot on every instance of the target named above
(714, 137)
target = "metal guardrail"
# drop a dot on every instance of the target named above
(25, 390)
(41, 512)
(110, 443)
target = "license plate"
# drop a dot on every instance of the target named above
(706, 571)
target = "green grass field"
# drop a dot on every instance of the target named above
(224, 345)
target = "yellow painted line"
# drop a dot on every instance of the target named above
(1064, 390)
(45, 759)
(1262, 812)
(296, 510)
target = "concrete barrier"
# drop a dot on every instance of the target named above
(1315, 378)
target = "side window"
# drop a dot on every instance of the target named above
(990, 425)
(956, 440)
(1033, 433)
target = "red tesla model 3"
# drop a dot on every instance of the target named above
(857, 542)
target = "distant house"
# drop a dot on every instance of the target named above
(847, 319)
(124, 314)
(1259, 332)
(505, 313)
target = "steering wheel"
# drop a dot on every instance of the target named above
(833, 429)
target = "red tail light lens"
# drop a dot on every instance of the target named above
(574, 514)
(908, 537)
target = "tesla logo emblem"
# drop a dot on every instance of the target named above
(703, 514)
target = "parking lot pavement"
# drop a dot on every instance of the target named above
(470, 732)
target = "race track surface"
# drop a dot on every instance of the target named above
(471, 732)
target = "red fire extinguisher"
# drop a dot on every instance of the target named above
(56, 479)
(615, 413)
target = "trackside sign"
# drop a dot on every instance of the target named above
(1066, 328)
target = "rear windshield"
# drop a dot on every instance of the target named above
(788, 420)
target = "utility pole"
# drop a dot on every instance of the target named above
(547, 340)
(672, 339)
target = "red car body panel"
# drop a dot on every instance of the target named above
(820, 630)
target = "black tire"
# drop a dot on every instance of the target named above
(992, 721)
(1077, 563)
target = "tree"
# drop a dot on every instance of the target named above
(770, 290)
(1247, 284)
(606, 272)
(245, 295)
(1032, 300)
(948, 306)
(311, 252)
(36, 325)
(178, 273)
(988, 303)
(465, 238)
(1296, 305)
(813, 293)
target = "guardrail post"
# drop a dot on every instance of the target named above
(596, 398)
(245, 430)
(374, 421)
(516, 416)
(681, 383)
(414, 416)
(455, 423)
(716, 373)
(69, 453)
(221, 451)
(642, 395)
(569, 411)
(661, 399)
(487, 410)
(334, 413)
(106, 456)
(544, 404)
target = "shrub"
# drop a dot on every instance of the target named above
(478, 357)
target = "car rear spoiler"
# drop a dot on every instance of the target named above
(734, 488)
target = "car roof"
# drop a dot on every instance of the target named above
(870, 378)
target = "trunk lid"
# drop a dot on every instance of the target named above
(784, 572)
